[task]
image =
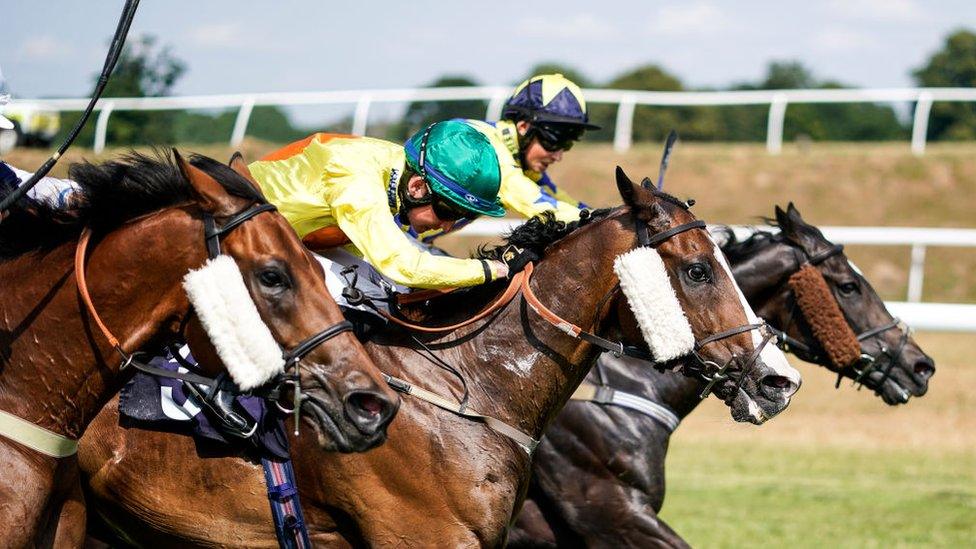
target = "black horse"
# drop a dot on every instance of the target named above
(598, 476)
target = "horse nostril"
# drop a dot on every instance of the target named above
(369, 411)
(924, 368)
(777, 382)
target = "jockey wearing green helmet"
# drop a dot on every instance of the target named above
(543, 118)
(373, 197)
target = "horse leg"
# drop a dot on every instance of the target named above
(69, 515)
(26, 486)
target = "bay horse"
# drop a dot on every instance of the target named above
(610, 494)
(147, 218)
(442, 480)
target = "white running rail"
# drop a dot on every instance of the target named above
(923, 316)
(626, 100)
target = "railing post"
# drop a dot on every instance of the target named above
(916, 274)
(240, 123)
(774, 126)
(624, 133)
(494, 112)
(920, 126)
(361, 117)
(101, 126)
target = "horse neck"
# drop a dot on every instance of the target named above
(526, 369)
(762, 276)
(58, 369)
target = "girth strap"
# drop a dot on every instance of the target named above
(522, 439)
(604, 394)
(35, 437)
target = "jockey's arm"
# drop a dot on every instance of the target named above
(521, 194)
(363, 214)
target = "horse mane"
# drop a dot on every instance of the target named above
(735, 248)
(110, 194)
(540, 232)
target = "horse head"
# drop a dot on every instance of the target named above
(849, 330)
(722, 339)
(342, 393)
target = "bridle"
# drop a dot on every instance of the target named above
(866, 363)
(708, 371)
(274, 391)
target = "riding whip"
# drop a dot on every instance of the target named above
(114, 52)
(666, 157)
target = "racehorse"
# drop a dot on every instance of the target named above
(610, 494)
(443, 480)
(146, 219)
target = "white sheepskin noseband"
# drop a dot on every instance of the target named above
(243, 341)
(645, 282)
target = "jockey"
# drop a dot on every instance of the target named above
(55, 192)
(542, 119)
(374, 196)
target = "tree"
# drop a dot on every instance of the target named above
(143, 70)
(421, 114)
(649, 122)
(954, 65)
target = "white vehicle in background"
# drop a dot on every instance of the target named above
(33, 126)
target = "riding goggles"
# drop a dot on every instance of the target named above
(446, 210)
(557, 137)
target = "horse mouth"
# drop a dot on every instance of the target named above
(891, 391)
(331, 436)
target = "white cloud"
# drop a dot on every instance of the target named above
(42, 47)
(877, 10)
(219, 35)
(839, 39)
(693, 18)
(582, 25)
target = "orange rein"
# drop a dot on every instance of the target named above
(80, 252)
(518, 282)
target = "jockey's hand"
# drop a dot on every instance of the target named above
(499, 269)
(517, 258)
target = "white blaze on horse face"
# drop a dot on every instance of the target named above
(770, 354)
(228, 314)
(645, 282)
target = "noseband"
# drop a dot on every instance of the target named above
(866, 363)
(292, 357)
(708, 371)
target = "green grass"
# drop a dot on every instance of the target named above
(733, 495)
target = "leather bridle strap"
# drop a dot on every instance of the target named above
(727, 333)
(212, 232)
(298, 352)
(521, 438)
(657, 238)
(504, 299)
(604, 394)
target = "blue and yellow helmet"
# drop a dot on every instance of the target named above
(548, 98)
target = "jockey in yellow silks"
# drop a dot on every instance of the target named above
(542, 119)
(372, 196)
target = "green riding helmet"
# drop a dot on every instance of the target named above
(459, 164)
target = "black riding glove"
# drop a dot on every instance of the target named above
(517, 258)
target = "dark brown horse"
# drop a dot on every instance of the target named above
(57, 369)
(610, 494)
(442, 480)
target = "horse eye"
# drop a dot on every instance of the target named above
(272, 278)
(848, 288)
(698, 272)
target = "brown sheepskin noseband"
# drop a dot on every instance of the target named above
(824, 316)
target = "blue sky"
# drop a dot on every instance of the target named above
(52, 47)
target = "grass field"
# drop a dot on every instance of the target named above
(839, 468)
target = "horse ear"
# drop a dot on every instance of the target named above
(238, 164)
(647, 183)
(625, 186)
(793, 212)
(210, 194)
(782, 219)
